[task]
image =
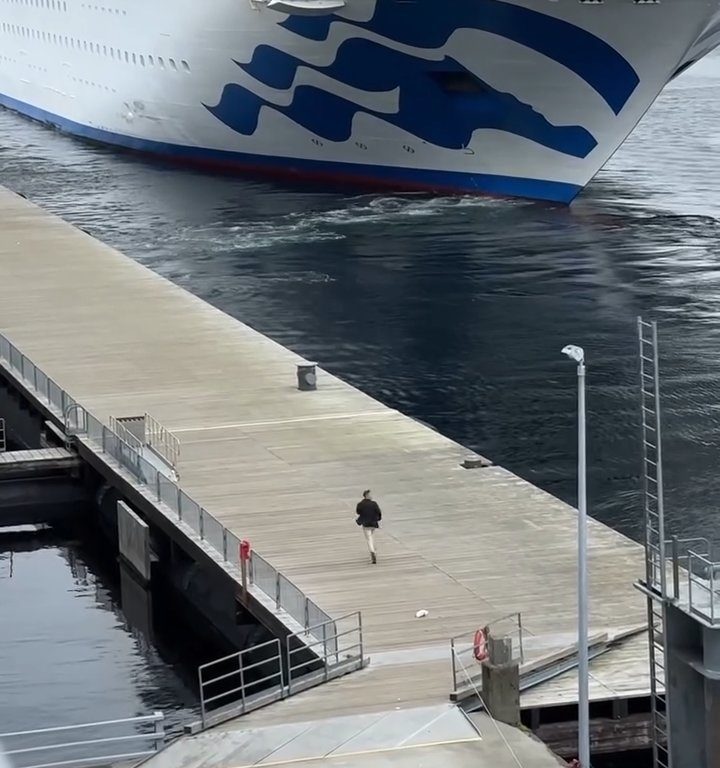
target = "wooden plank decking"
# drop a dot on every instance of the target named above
(285, 468)
(36, 455)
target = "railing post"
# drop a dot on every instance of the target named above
(676, 567)
(289, 665)
(225, 557)
(277, 590)
(202, 697)
(201, 523)
(47, 389)
(242, 681)
(179, 502)
(307, 616)
(325, 653)
(712, 591)
(452, 660)
(520, 638)
(35, 377)
(360, 633)
(157, 484)
(104, 440)
(690, 580)
(159, 730)
(280, 669)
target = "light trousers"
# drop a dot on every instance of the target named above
(370, 539)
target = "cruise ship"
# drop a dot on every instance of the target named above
(523, 98)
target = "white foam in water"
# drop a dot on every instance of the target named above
(383, 209)
(312, 227)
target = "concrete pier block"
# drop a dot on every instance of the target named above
(711, 660)
(501, 681)
(134, 541)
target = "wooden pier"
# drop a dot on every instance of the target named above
(40, 486)
(285, 468)
(36, 463)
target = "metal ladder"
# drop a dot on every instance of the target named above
(3, 444)
(655, 571)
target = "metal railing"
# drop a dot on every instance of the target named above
(126, 435)
(332, 644)
(466, 670)
(162, 440)
(285, 594)
(242, 680)
(148, 432)
(211, 532)
(87, 744)
(249, 679)
(695, 577)
(3, 444)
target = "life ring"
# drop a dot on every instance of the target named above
(480, 645)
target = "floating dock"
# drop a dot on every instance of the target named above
(284, 468)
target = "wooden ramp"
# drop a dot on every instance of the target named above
(285, 468)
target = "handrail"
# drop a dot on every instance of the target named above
(252, 677)
(162, 440)
(239, 670)
(126, 435)
(462, 646)
(75, 750)
(121, 445)
(695, 556)
(154, 717)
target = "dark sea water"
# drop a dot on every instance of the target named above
(454, 310)
(68, 654)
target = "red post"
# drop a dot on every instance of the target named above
(245, 550)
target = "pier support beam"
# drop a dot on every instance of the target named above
(501, 681)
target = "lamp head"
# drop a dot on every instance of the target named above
(574, 353)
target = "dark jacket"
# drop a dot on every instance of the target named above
(369, 514)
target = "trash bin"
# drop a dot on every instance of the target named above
(306, 376)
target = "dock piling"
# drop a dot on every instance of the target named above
(501, 681)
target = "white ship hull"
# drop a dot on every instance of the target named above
(516, 97)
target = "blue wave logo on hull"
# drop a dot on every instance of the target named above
(425, 108)
(439, 102)
(429, 24)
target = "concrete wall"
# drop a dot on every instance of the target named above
(51, 500)
(134, 540)
(686, 691)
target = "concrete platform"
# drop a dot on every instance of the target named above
(285, 469)
(428, 736)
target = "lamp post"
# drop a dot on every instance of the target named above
(578, 355)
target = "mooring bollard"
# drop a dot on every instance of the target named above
(307, 377)
(501, 681)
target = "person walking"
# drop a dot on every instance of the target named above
(369, 516)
